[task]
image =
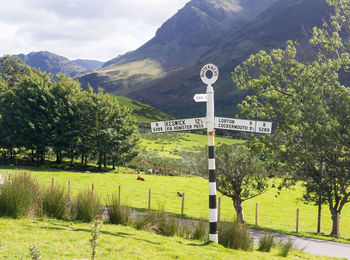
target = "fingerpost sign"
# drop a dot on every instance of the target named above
(209, 74)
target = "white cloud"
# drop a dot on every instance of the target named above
(86, 29)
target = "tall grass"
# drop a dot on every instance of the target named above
(117, 214)
(166, 225)
(55, 202)
(266, 242)
(285, 248)
(20, 197)
(235, 235)
(86, 207)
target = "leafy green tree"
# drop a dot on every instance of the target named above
(66, 121)
(310, 108)
(35, 104)
(13, 70)
(240, 175)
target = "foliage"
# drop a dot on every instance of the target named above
(266, 242)
(165, 224)
(39, 115)
(285, 248)
(240, 175)
(200, 230)
(95, 234)
(86, 207)
(310, 107)
(55, 202)
(235, 235)
(20, 197)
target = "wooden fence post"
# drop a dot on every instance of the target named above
(26, 174)
(219, 209)
(68, 189)
(6, 176)
(183, 204)
(149, 199)
(52, 184)
(338, 222)
(297, 224)
(256, 214)
(119, 195)
(92, 189)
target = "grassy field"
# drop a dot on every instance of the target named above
(172, 144)
(66, 240)
(275, 213)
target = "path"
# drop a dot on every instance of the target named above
(311, 245)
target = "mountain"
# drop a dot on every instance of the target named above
(178, 43)
(52, 63)
(164, 72)
(89, 64)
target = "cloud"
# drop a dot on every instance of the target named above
(81, 28)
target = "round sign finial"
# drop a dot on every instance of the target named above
(215, 74)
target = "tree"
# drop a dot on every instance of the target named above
(311, 109)
(13, 70)
(240, 175)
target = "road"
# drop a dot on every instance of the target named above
(311, 245)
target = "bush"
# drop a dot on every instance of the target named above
(266, 242)
(20, 197)
(55, 202)
(86, 207)
(285, 248)
(235, 235)
(117, 213)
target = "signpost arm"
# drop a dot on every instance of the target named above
(213, 228)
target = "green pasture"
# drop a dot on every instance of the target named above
(172, 144)
(66, 240)
(278, 213)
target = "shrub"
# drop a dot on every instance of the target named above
(285, 248)
(266, 242)
(55, 202)
(235, 235)
(20, 197)
(86, 207)
(117, 213)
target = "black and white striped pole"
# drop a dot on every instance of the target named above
(209, 81)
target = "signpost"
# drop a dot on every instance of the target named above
(211, 123)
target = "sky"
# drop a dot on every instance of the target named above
(81, 29)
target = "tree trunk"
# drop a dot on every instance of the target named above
(58, 158)
(319, 214)
(334, 225)
(237, 203)
(71, 161)
(82, 159)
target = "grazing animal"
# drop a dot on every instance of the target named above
(179, 194)
(150, 171)
(139, 178)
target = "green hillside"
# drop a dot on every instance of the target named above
(144, 113)
(66, 240)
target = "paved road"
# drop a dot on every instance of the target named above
(311, 245)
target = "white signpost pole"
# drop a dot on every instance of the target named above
(213, 227)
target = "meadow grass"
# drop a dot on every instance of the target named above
(275, 213)
(172, 144)
(67, 240)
